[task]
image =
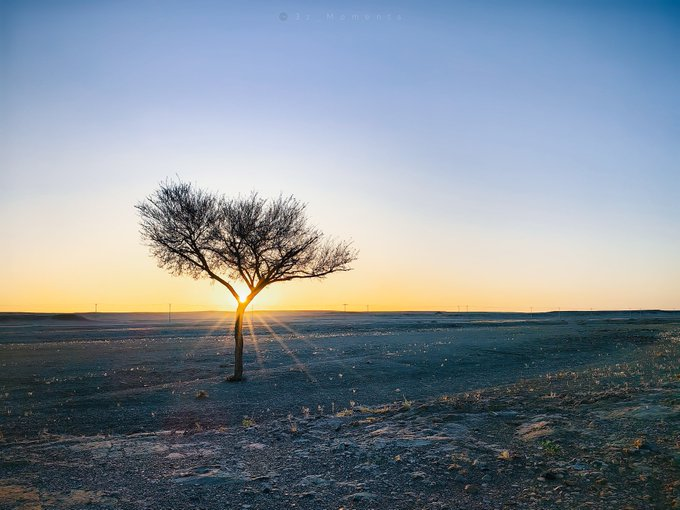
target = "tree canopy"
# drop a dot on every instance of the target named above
(257, 240)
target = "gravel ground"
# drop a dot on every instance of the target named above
(570, 414)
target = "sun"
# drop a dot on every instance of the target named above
(242, 291)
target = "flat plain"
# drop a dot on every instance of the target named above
(341, 410)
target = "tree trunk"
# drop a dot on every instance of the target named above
(238, 343)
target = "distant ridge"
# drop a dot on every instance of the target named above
(69, 317)
(22, 317)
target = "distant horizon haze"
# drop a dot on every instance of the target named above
(354, 309)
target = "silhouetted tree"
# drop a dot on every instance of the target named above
(258, 241)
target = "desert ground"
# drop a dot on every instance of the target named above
(341, 410)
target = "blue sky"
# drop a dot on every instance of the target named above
(513, 152)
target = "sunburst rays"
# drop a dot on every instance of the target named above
(256, 343)
(298, 364)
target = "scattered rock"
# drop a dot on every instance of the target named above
(255, 446)
(533, 430)
(315, 480)
(361, 497)
(209, 476)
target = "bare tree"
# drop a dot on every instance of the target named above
(252, 239)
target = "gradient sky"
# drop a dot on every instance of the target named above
(500, 155)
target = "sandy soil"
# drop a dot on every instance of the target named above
(408, 411)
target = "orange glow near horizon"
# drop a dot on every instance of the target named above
(339, 292)
(90, 269)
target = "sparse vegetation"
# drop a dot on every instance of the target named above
(292, 426)
(550, 447)
(505, 455)
(545, 440)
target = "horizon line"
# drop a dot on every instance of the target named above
(165, 313)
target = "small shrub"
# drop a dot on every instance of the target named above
(505, 455)
(248, 422)
(550, 447)
(292, 425)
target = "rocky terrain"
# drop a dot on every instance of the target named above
(602, 435)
